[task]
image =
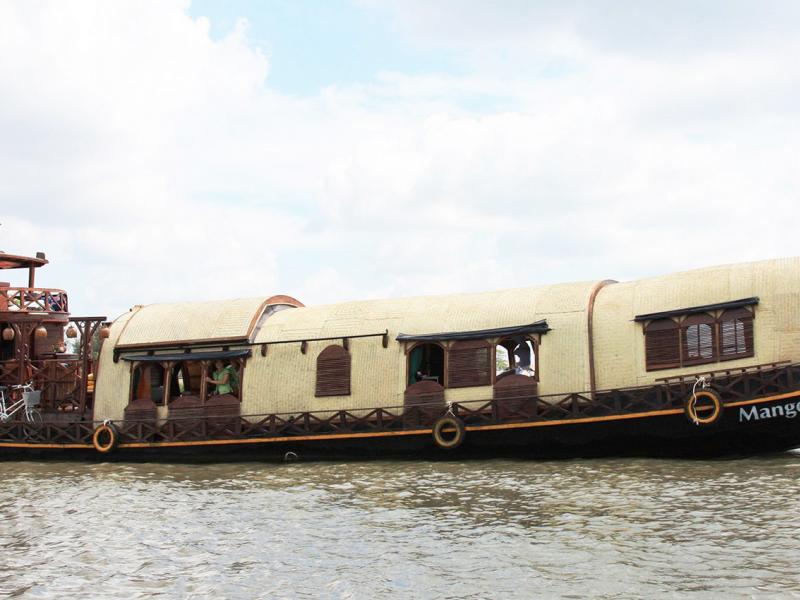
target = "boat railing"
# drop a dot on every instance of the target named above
(33, 300)
(478, 412)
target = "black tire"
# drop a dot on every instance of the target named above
(442, 430)
(703, 408)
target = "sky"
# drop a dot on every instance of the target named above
(164, 150)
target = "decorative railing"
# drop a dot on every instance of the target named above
(34, 300)
(57, 378)
(733, 386)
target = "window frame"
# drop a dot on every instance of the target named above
(747, 317)
(141, 368)
(461, 378)
(168, 370)
(660, 326)
(534, 341)
(445, 362)
(716, 321)
(698, 321)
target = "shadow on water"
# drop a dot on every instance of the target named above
(503, 528)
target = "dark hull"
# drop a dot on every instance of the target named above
(655, 434)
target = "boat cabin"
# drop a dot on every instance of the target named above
(40, 343)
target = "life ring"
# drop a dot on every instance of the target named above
(703, 407)
(105, 438)
(449, 432)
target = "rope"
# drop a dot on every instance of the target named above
(703, 383)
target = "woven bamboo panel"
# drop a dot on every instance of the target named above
(774, 332)
(112, 380)
(159, 323)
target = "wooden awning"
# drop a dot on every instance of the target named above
(693, 310)
(180, 356)
(481, 334)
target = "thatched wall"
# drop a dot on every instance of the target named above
(284, 379)
(619, 341)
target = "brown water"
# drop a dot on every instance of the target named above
(502, 529)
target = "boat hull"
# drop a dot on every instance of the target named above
(764, 425)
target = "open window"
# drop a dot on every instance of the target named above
(426, 363)
(515, 355)
(186, 379)
(147, 383)
(227, 376)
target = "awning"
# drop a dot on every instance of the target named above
(176, 356)
(537, 327)
(693, 310)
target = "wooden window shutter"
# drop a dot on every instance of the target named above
(662, 345)
(736, 334)
(699, 339)
(333, 372)
(469, 364)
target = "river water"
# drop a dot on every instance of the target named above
(479, 529)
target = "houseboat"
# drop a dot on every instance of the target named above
(701, 363)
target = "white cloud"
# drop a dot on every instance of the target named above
(155, 163)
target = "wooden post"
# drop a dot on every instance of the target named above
(167, 366)
(87, 327)
(203, 382)
(31, 276)
(24, 344)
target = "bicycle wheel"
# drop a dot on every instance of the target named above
(34, 416)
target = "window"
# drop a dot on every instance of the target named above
(147, 383)
(217, 370)
(662, 345)
(177, 377)
(515, 355)
(426, 363)
(185, 379)
(698, 333)
(333, 372)
(469, 364)
(699, 339)
(736, 334)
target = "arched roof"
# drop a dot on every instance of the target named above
(430, 314)
(705, 286)
(187, 322)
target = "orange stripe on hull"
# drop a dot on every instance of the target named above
(377, 434)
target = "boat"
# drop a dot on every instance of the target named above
(702, 363)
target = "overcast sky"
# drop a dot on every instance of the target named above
(334, 150)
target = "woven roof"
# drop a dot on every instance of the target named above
(428, 314)
(193, 321)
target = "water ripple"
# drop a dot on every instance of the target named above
(504, 529)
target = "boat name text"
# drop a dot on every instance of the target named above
(755, 413)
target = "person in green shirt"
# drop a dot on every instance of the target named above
(223, 377)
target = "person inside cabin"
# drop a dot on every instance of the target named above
(224, 377)
(522, 353)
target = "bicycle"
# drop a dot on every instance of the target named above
(28, 403)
